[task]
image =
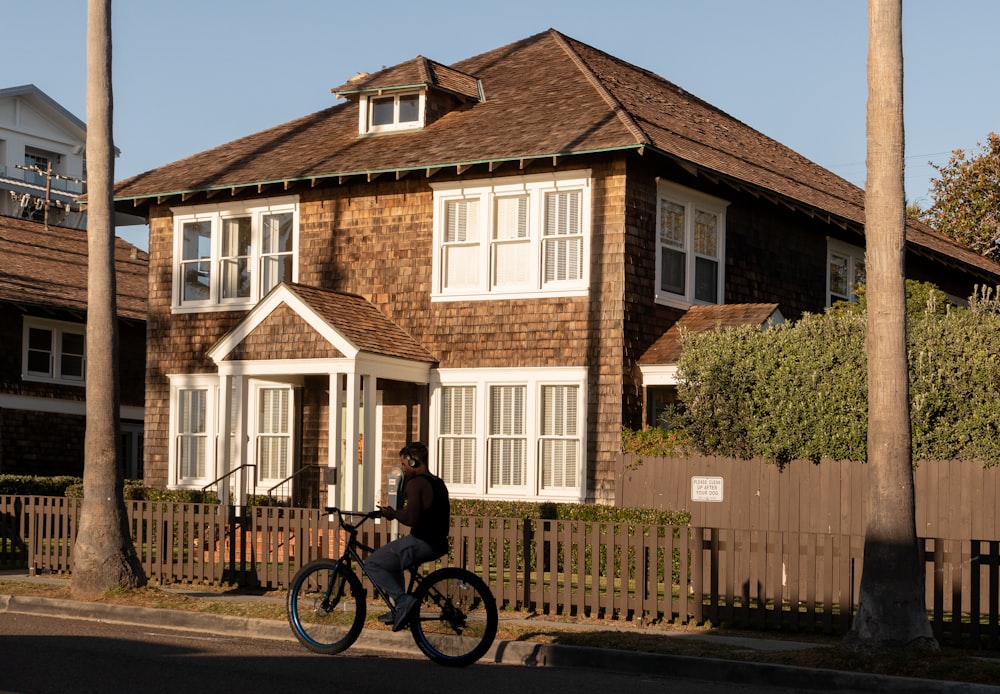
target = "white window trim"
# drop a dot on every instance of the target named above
(533, 379)
(486, 191)
(215, 214)
(58, 329)
(846, 249)
(366, 112)
(210, 383)
(691, 200)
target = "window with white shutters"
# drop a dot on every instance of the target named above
(457, 443)
(192, 434)
(559, 440)
(507, 442)
(511, 266)
(461, 248)
(512, 237)
(274, 433)
(562, 242)
(510, 433)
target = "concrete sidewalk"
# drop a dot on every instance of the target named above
(523, 653)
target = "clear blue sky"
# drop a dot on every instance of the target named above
(190, 75)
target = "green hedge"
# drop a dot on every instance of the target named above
(72, 487)
(578, 512)
(29, 485)
(798, 391)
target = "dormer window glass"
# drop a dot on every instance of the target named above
(394, 111)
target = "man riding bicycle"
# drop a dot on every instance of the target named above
(426, 510)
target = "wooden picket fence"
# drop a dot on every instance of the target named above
(765, 579)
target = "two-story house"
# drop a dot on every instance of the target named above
(477, 255)
(43, 356)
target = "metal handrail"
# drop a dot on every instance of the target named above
(288, 479)
(214, 483)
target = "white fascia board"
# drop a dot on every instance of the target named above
(659, 374)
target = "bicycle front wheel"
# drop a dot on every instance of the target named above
(326, 606)
(457, 618)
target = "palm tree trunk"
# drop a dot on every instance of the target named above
(891, 603)
(103, 555)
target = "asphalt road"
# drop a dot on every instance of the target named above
(42, 655)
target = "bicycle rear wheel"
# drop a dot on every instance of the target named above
(457, 617)
(326, 606)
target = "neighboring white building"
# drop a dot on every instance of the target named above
(36, 133)
(43, 166)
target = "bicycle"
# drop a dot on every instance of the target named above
(454, 622)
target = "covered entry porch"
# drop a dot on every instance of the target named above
(304, 380)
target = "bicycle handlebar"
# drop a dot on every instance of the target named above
(363, 515)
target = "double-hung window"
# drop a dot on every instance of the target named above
(845, 270)
(527, 423)
(524, 236)
(53, 351)
(191, 435)
(232, 256)
(690, 257)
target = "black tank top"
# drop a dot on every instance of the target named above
(435, 522)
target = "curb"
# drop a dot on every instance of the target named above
(520, 653)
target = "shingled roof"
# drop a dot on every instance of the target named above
(47, 267)
(667, 349)
(362, 324)
(589, 101)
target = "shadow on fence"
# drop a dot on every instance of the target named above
(759, 579)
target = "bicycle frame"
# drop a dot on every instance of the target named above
(351, 552)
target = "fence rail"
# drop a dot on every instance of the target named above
(791, 581)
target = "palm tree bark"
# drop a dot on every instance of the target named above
(103, 556)
(891, 603)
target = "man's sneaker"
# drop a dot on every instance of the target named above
(404, 610)
(386, 618)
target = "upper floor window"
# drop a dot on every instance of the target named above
(392, 111)
(523, 236)
(691, 235)
(845, 269)
(232, 256)
(54, 351)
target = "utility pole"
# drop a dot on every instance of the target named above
(49, 175)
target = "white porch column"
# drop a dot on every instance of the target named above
(335, 433)
(349, 471)
(371, 443)
(223, 449)
(246, 477)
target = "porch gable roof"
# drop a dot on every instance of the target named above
(354, 327)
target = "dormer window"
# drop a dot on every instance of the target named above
(386, 112)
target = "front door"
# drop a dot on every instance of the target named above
(273, 437)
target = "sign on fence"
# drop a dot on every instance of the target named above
(706, 489)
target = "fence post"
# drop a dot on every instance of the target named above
(527, 536)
